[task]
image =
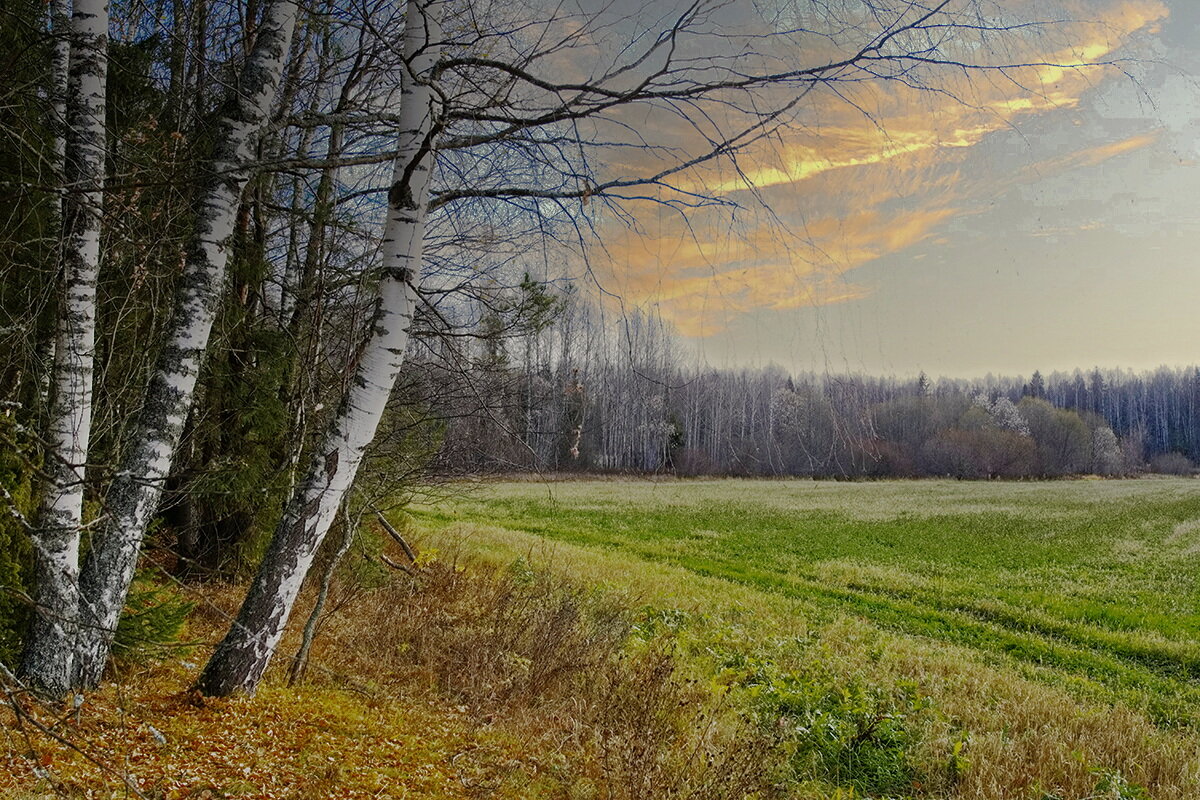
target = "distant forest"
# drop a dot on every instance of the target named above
(553, 386)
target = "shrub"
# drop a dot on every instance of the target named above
(845, 734)
(152, 623)
(656, 733)
(559, 664)
(1172, 464)
(489, 636)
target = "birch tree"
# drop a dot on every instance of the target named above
(60, 65)
(49, 655)
(244, 653)
(132, 498)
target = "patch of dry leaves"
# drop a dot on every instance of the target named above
(152, 734)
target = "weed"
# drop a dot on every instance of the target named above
(548, 661)
(842, 733)
(1114, 786)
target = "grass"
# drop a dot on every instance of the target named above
(724, 640)
(1058, 624)
(146, 731)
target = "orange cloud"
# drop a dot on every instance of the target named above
(871, 172)
(701, 284)
(964, 109)
(1091, 156)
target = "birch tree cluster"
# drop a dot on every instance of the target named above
(252, 248)
(597, 392)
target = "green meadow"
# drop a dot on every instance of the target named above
(1038, 616)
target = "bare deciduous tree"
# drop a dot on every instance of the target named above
(520, 106)
(244, 654)
(133, 497)
(49, 657)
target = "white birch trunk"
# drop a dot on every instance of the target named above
(59, 27)
(48, 660)
(243, 656)
(134, 494)
(60, 62)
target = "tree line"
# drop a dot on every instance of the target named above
(576, 391)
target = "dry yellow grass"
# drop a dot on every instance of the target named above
(463, 684)
(146, 730)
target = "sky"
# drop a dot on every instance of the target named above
(1050, 225)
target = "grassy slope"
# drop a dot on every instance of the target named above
(1047, 615)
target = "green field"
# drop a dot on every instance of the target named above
(1079, 599)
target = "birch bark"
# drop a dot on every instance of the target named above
(60, 64)
(48, 659)
(243, 656)
(135, 491)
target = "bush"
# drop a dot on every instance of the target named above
(846, 735)
(656, 733)
(151, 624)
(488, 636)
(560, 667)
(691, 461)
(1172, 464)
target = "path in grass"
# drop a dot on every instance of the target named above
(1093, 585)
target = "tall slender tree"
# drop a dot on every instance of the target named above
(246, 651)
(48, 660)
(133, 496)
(524, 102)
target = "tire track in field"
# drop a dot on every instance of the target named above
(1073, 655)
(1167, 699)
(1155, 687)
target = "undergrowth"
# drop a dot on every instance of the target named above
(617, 687)
(153, 622)
(555, 666)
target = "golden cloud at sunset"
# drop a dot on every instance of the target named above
(1095, 155)
(700, 285)
(871, 172)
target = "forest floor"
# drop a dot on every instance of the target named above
(704, 639)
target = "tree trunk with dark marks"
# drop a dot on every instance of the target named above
(243, 656)
(300, 661)
(48, 660)
(134, 495)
